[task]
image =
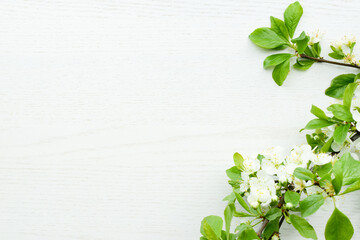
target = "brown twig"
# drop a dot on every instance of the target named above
(329, 61)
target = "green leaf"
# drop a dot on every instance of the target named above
(281, 71)
(303, 173)
(211, 227)
(327, 145)
(278, 26)
(353, 187)
(339, 84)
(317, 123)
(316, 49)
(301, 42)
(338, 227)
(337, 55)
(337, 183)
(234, 174)
(238, 161)
(271, 228)
(348, 168)
(318, 112)
(230, 198)
(324, 169)
(273, 214)
(276, 59)
(242, 227)
(292, 198)
(303, 64)
(303, 227)
(348, 94)
(242, 202)
(248, 234)
(311, 204)
(341, 112)
(266, 38)
(341, 132)
(292, 17)
(228, 215)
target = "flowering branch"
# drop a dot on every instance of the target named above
(273, 186)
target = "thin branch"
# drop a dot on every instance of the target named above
(329, 61)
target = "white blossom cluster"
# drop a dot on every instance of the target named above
(262, 178)
(345, 44)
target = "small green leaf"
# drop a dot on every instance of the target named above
(318, 112)
(337, 183)
(353, 187)
(338, 85)
(292, 198)
(303, 64)
(317, 123)
(316, 49)
(228, 215)
(338, 227)
(348, 167)
(303, 227)
(278, 26)
(211, 227)
(271, 228)
(281, 71)
(340, 133)
(234, 174)
(324, 169)
(303, 173)
(292, 17)
(311, 204)
(266, 38)
(276, 59)
(348, 94)
(327, 145)
(273, 214)
(248, 234)
(301, 42)
(230, 198)
(336, 55)
(341, 112)
(242, 202)
(238, 161)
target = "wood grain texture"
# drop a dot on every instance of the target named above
(119, 118)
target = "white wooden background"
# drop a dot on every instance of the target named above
(119, 118)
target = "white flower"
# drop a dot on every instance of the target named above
(301, 155)
(275, 155)
(322, 158)
(348, 41)
(350, 58)
(337, 44)
(262, 190)
(251, 165)
(315, 36)
(244, 185)
(285, 173)
(273, 158)
(300, 184)
(329, 131)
